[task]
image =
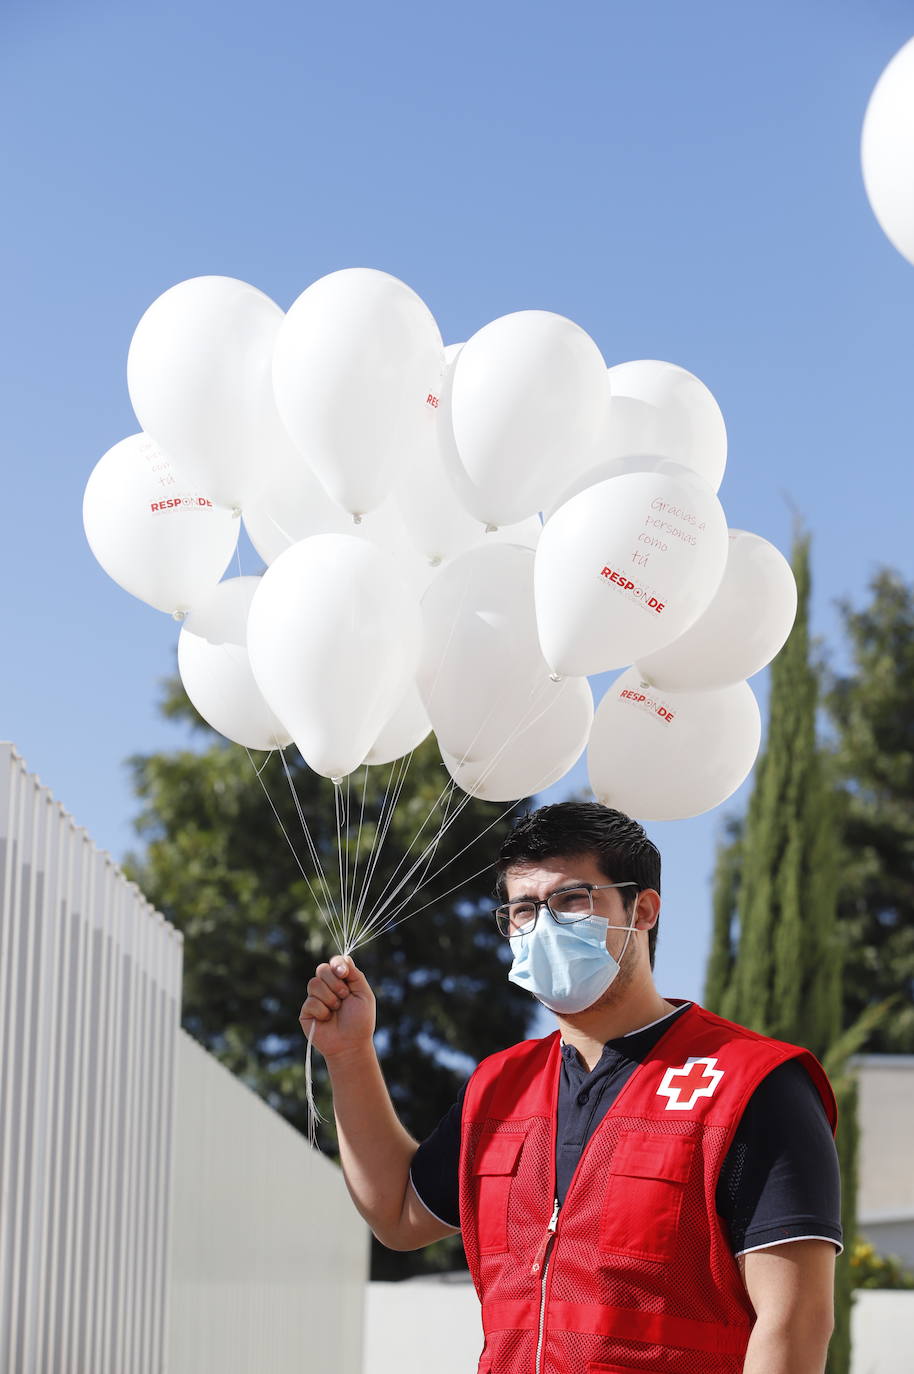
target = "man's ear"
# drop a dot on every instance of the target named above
(646, 909)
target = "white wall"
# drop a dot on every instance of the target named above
(421, 1325)
(885, 1203)
(268, 1257)
(883, 1333)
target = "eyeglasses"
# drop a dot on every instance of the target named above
(566, 906)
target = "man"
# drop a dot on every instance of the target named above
(650, 1187)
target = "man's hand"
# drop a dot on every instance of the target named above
(340, 1006)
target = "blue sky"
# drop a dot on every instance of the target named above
(682, 180)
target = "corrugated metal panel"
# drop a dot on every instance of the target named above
(268, 1255)
(155, 1216)
(90, 979)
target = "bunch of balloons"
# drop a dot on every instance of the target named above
(455, 539)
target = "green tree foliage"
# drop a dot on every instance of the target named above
(776, 958)
(872, 1270)
(722, 953)
(848, 1142)
(870, 707)
(215, 864)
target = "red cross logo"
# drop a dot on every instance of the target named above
(698, 1077)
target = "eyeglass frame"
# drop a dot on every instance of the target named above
(589, 888)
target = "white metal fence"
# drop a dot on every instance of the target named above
(90, 980)
(112, 1208)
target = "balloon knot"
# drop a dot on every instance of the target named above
(179, 615)
(556, 677)
(336, 781)
(491, 529)
(436, 561)
(356, 519)
(236, 512)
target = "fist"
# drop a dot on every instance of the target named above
(340, 1007)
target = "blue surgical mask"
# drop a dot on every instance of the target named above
(566, 967)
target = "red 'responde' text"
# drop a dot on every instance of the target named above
(642, 699)
(178, 502)
(627, 585)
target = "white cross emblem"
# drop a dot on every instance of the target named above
(698, 1074)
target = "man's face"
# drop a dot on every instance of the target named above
(539, 880)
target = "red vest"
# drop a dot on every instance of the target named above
(635, 1272)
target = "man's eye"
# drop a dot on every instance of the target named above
(572, 901)
(522, 917)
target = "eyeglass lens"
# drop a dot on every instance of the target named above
(517, 918)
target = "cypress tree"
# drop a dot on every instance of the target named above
(786, 968)
(870, 709)
(723, 907)
(775, 963)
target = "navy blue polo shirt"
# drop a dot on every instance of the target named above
(779, 1180)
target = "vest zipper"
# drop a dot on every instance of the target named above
(541, 1262)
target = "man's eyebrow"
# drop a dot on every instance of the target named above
(566, 887)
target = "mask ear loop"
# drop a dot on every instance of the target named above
(631, 927)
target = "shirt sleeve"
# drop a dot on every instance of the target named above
(780, 1180)
(434, 1170)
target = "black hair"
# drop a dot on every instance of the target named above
(567, 829)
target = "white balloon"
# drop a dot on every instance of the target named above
(663, 410)
(745, 625)
(407, 728)
(482, 674)
(357, 364)
(887, 151)
(154, 533)
(525, 401)
(613, 467)
(216, 671)
(288, 508)
(625, 567)
(199, 376)
(438, 524)
(661, 757)
(526, 533)
(538, 756)
(333, 637)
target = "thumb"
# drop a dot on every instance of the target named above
(343, 966)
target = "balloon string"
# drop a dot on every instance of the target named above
(358, 839)
(388, 897)
(380, 913)
(332, 922)
(390, 925)
(388, 807)
(314, 897)
(314, 1115)
(392, 881)
(340, 844)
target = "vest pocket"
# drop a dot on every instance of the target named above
(494, 1168)
(647, 1180)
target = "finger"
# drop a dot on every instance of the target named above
(314, 1010)
(344, 966)
(320, 990)
(327, 976)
